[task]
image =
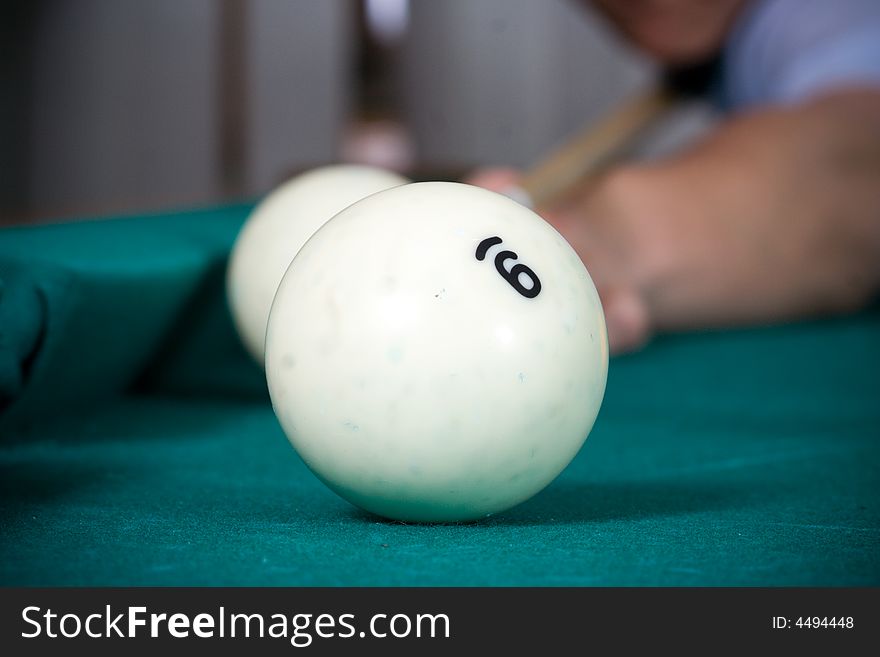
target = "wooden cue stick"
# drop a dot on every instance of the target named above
(592, 148)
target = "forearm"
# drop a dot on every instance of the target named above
(776, 216)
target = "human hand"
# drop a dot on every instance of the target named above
(605, 250)
(773, 217)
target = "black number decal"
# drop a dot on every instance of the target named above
(512, 276)
(485, 245)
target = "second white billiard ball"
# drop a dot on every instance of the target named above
(276, 230)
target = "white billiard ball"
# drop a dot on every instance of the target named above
(278, 227)
(436, 352)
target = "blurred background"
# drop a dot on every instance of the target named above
(119, 106)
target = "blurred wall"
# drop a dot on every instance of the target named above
(112, 106)
(504, 80)
(299, 86)
(120, 105)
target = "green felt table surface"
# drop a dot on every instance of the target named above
(139, 446)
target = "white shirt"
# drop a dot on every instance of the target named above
(787, 51)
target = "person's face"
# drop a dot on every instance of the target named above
(674, 31)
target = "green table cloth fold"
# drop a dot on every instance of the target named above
(90, 309)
